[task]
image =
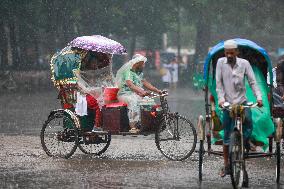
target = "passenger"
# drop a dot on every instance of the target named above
(89, 83)
(230, 87)
(130, 82)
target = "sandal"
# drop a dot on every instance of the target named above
(134, 130)
(97, 130)
(252, 146)
(225, 171)
(249, 146)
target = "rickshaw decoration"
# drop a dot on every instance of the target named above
(62, 65)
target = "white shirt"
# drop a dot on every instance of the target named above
(172, 73)
(230, 82)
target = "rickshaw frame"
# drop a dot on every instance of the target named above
(76, 136)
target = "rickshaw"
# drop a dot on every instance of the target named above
(267, 125)
(65, 130)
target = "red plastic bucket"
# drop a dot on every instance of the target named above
(110, 93)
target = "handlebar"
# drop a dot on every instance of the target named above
(154, 95)
(228, 106)
(251, 106)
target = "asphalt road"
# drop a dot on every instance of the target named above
(129, 162)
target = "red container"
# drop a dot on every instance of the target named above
(110, 93)
(115, 118)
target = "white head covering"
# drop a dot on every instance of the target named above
(127, 67)
(230, 44)
(138, 58)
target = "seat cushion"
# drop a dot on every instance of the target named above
(115, 105)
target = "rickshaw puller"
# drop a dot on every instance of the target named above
(130, 82)
(230, 87)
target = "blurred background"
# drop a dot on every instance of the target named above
(175, 36)
(33, 30)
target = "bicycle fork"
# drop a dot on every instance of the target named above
(239, 127)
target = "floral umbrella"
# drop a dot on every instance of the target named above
(98, 43)
(66, 61)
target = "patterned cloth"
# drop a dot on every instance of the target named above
(92, 104)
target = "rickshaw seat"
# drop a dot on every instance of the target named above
(115, 105)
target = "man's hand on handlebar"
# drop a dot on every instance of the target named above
(144, 93)
(259, 104)
(151, 94)
(160, 92)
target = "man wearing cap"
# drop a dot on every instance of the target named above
(230, 86)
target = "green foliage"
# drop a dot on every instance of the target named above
(35, 28)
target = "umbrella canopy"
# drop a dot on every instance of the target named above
(98, 43)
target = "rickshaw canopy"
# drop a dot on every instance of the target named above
(243, 45)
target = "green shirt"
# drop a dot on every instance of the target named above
(133, 76)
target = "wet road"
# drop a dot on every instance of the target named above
(128, 163)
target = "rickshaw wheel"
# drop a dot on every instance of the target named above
(201, 152)
(97, 146)
(278, 158)
(59, 135)
(237, 164)
(176, 137)
(246, 179)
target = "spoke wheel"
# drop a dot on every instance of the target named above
(94, 144)
(176, 137)
(59, 135)
(237, 163)
(278, 159)
(200, 159)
